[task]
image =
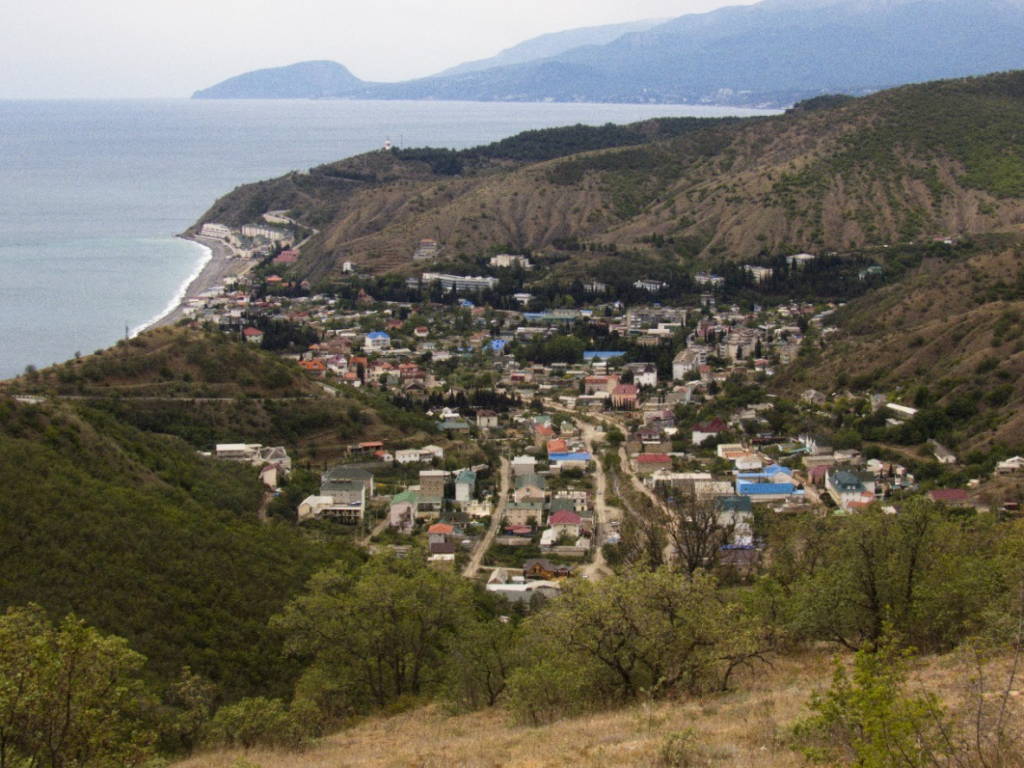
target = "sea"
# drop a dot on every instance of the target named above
(93, 193)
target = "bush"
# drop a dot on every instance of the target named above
(254, 722)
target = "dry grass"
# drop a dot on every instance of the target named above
(741, 728)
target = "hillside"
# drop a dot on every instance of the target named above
(771, 53)
(206, 388)
(140, 536)
(947, 339)
(938, 159)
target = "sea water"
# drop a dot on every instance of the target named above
(92, 193)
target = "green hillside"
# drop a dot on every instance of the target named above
(140, 536)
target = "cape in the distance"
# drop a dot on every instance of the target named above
(771, 54)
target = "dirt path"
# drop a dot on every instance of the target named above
(473, 566)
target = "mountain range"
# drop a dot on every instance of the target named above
(770, 54)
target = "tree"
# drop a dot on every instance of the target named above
(478, 661)
(695, 529)
(375, 634)
(69, 696)
(650, 633)
(930, 575)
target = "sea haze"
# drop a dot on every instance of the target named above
(92, 193)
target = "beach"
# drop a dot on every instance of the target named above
(221, 265)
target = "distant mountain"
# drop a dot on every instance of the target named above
(307, 80)
(553, 44)
(770, 54)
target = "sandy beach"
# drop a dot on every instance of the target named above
(220, 267)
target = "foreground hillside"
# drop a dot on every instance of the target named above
(921, 161)
(141, 537)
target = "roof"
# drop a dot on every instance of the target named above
(949, 495)
(440, 528)
(653, 458)
(712, 427)
(410, 497)
(556, 457)
(252, 332)
(377, 335)
(530, 478)
(564, 518)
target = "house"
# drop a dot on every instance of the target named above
(253, 335)
(439, 533)
(644, 374)
(486, 419)
(541, 568)
(346, 474)
(565, 523)
(530, 487)
(649, 463)
(736, 514)
(237, 451)
(524, 465)
(813, 397)
(625, 397)
(1010, 466)
(847, 489)
(465, 486)
(402, 513)
(346, 503)
(712, 429)
(773, 483)
(432, 483)
(942, 454)
(524, 513)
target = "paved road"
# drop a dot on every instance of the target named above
(473, 566)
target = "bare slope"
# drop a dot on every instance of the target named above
(916, 162)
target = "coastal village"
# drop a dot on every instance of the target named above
(558, 430)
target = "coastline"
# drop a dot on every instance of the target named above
(220, 265)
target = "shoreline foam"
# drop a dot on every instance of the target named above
(182, 292)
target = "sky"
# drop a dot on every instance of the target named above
(170, 48)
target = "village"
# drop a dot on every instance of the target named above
(560, 427)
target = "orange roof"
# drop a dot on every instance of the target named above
(558, 446)
(440, 528)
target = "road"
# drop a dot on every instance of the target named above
(473, 566)
(603, 514)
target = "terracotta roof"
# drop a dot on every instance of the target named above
(653, 458)
(440, 528)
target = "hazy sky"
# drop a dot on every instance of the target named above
(159, 48)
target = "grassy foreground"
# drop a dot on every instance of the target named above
(740, 728)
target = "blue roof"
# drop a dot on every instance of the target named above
(466, 303)
(602, 355)
(498, 344)
(764, 489)
(377, 335)
(568, 457)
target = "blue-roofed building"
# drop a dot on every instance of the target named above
(569, 460)
(376, 341)
(771, 484)
(466, 303)
(498, 345)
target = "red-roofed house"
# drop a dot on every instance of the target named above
(542, 433)
(254, 335)
(286, 257)
(438, 533)
(565, 522)
(649, 463)
(557, 446)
